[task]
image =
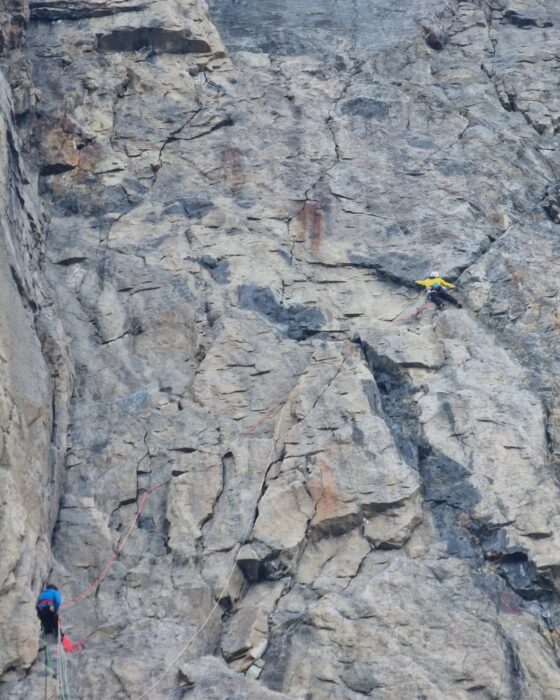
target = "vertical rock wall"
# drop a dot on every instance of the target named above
(231, 226)
(34, 394)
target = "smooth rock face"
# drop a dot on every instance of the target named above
(338, 500)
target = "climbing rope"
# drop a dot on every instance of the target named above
(48, 665)
(114, 555)
(269, 413)
(411, 314)
(199, 629)
(404, 309)
(60, 674)
(65, 672)
(62, 677)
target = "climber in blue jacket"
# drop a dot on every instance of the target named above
(47, 606)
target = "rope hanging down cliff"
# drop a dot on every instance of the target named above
(114, 555)
(180, 653)
(62, 676)
(96, 583)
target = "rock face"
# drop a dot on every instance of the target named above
(212, 218)
(35, 386)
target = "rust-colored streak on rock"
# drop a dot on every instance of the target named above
(64, 147)
(310, 219)
(60, 149)
(508, 604)
(324, 493)
(518, 296)
(316, 229)
(232, 165)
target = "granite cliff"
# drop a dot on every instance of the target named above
(210, 215)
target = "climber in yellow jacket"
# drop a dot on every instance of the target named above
(436, 293)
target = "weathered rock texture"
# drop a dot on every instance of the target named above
(236, 202)
(35, 386)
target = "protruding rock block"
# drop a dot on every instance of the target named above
(156, 39)
(245, 638)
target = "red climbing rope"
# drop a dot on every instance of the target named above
(411, 314)
(269, 413)
(141, 503)
(115, 554)
(65, 644)
(147, 693)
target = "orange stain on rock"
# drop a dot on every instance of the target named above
(232, 165)
(323, 492)
(310, 219)
(508, 603)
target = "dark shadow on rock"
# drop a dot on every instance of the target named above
(301, 322)
(390, 268)
(366, 107)
(218, 269)
(279, 650)
(445, 483)
(434, 41)
(526, 20)
(191, 206)
(452, 498)
(155, 39)
(54, 10)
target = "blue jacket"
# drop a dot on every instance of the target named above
(50, 597)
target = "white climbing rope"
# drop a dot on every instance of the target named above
(59, 680)
(180, 653)
(48, 665)
(62, 677)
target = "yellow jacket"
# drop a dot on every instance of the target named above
(435, 280)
